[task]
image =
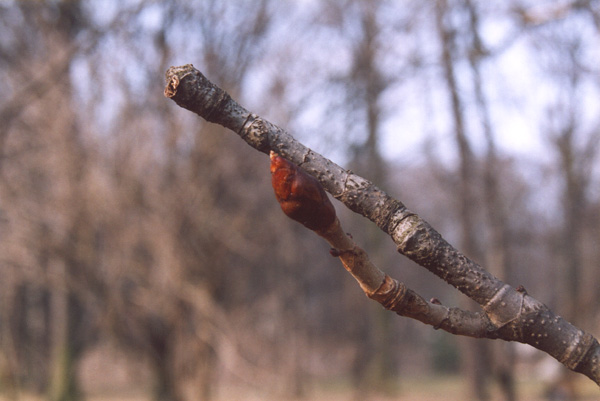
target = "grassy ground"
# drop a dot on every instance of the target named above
(417, 389)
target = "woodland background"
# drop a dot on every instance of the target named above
(142, 250)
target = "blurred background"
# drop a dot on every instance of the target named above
(143, 255)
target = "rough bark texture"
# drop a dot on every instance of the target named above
(508, 314)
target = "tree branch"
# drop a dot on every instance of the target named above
(508, 314)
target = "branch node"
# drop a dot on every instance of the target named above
(505, 306)
(440, 324)
(521, 289)
(390, 294)
(435, 301)
(336, 253)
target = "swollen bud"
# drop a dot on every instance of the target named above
(301, 197)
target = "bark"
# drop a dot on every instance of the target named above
(507, 313)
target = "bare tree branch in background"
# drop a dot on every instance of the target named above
(498, 255)
(477, 361)
(507, 313)
(576, 150)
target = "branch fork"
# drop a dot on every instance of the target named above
(507, 313)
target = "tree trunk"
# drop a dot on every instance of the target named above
(476, 354)
(498, 249)
(63, 380)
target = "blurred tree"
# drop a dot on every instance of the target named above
(476, 354)
(48, 212)
(187, 215)
(374, 366)
(498, 256)
(576, 150)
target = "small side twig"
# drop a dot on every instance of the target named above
(396, 296)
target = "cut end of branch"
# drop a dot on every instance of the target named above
(171, 88)
(173, 77)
